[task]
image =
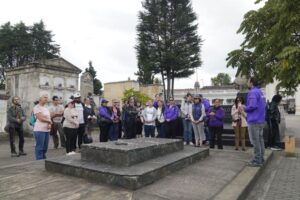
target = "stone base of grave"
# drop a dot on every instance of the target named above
(131, 164)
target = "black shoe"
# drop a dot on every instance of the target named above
(14, 154)
(22, 153)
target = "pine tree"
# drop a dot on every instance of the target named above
(168, 43)
(96, 82)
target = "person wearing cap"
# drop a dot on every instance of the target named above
(42, 127)
(171, 115)
(79, 106)
(15, 119)
(70, 126)
(114, 129)
(186, 110)
(197, 118)
(106, 120)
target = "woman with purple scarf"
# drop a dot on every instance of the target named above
(215, 123)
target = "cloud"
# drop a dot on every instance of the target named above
(105, 32)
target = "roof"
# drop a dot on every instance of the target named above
(57, 64)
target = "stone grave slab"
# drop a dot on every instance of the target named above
(129, 152)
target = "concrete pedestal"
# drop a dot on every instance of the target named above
(132, 165)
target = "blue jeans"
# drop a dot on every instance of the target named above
(149, 130)
(187, 130)
(41, 146)
(113, 132)
(256, 133)
(161, 130)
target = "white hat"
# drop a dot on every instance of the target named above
(69, 101)
(77, 95)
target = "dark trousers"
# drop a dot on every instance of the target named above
(171, 129)
(275, 137)
(149, 131)
(12, 133)
(114, 132)
(216, 132)
(104, 132)
(57, 126)
(130, 128)
(120, 129)
(139, 128)
(80, 132)
(161, 130)
(71, 137)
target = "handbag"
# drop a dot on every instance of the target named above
(6, 128)
(87, 139)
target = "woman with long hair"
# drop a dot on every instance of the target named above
(239, 123)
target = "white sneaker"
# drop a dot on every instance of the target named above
(73, 153)
(184, 143)
(191, 144)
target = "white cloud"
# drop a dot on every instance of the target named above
(105, 32)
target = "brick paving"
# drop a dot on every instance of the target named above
(281, 178)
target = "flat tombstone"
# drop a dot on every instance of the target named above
(129, 152)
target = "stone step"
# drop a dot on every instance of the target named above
(129, 152)
(130, 177)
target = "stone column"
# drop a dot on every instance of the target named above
(3, 110)
(297, 101)
(86, 84)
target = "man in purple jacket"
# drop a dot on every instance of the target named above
(255, 110)
(171, 114)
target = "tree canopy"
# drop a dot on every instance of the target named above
(140, 97)
(21, 44)
(221, 79)
(271, 48)
(168, 43)
(97, 83)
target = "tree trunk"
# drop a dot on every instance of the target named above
(168, 84)
(172, 89)
(164, 85)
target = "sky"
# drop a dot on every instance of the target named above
(104, 31)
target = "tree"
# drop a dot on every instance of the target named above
(97, 83)
(168, 43)
(142, 98)
(21, 44)
(221, 79)
(271, 48)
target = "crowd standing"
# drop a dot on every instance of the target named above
(202, 124)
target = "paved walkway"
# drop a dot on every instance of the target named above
(26, 179)
(281, 178)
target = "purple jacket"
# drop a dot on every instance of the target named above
(155, 105)
(217, 119)
(255, 107)
(171, 113)
(106, 113)
(206, 105)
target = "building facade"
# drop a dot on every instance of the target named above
(54, 77)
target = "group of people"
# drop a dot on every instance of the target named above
(72, 124)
